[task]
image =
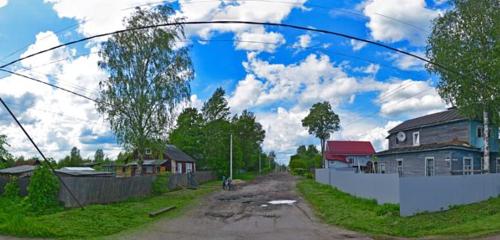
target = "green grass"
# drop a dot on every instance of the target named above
(96, 220)
(338, 208)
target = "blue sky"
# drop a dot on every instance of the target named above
(371, 88)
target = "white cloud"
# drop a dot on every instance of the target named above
(58, 120)
(303, 41)
(285, 137)
(96, 16)
(355, 127)
(246, 93)
(406, 62)
(237, 10)
(259, 40)
(409, 98)
(313, 79)
(397, 20)
(372, 68)
(3, 3)
(357, 45)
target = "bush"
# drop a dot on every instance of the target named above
(11, 189)
(160, 184)
(43, 190)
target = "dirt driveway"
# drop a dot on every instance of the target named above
(247, 214)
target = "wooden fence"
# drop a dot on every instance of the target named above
(103, 190)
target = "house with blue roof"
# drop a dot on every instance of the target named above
(443, 143)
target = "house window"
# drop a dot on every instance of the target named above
(416, 138)
(498, 165)
(189, 167)
(148, 151)
(381, 167)
(400, 167)
(480, 132)
(448, 162)
(179, 167)
(429, 166)
(468, 165)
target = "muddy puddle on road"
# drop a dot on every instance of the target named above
(256, 200)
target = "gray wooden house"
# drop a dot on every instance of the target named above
(444, 143)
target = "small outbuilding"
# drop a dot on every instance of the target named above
(18, 171)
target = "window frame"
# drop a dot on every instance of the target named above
(471, 170)
(433, 167)
(417, 142)
(400, 168)
(147, 151)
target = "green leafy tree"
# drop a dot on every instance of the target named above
(465, 40)
(43, 190)
(321, 121)
(216, 132)
(248, 135)
(5, 156)
(188, 135)
(99, 156)
(305, 160)
(148, 78)
(216, 108)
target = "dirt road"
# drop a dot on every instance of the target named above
(247, 214)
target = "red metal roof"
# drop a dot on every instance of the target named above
(338, 150)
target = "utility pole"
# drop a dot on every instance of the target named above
(231, 158)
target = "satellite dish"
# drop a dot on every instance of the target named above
(401, 136)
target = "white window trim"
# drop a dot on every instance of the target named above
(433, 166)
(148, 151)
(471, 171)
(417, 142)
(402, 166)
(380, 166)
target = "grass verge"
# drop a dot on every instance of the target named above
(95, 220)
(338, 208)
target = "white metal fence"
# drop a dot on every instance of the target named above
(414, 194)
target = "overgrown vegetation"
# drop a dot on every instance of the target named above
(96, 220)
(338, 208)
(305, 160)
(42, 190)
(160, 184)
(11, 189)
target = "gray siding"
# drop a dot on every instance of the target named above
(414, 163)
(434, 134)
(447, 162)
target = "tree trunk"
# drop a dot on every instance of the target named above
(486, 141)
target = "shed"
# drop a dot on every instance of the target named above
(18, 171)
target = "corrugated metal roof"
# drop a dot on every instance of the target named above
(18, 169)
(449, 115)
(176, 154)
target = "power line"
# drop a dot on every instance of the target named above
(41, 153)
(49, 84)
(352, 12)
(235, 22)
